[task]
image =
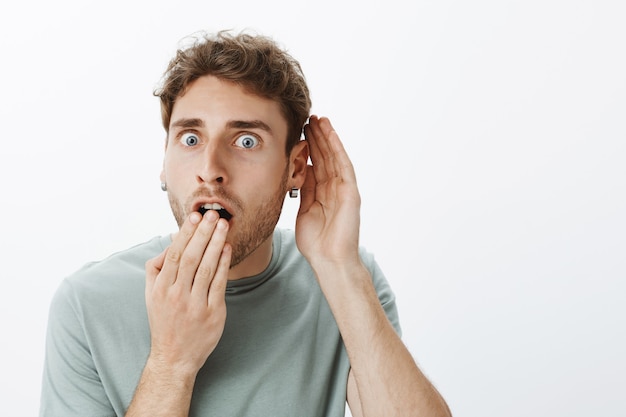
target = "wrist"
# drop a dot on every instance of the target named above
(338, 271)
(175, 373)
(338, 263)
(163, 390)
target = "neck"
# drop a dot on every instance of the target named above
(255, 263)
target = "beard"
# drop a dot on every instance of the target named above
(253, 224)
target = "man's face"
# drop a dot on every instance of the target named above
(226, 150)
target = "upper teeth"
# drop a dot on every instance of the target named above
(212, 206)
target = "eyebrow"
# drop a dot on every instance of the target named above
(249, 124)
(188, 123)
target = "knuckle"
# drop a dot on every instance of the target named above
(204, 271)
(173, 256)
(188, 261)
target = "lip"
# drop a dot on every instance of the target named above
(196, 206)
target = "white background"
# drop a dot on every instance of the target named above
(489, 143)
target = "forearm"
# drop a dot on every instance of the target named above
(388, 380)
(162, 392)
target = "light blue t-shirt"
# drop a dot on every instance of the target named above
(281, 353)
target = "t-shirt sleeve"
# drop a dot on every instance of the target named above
(383, 289)
(71, 385)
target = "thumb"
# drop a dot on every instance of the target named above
(153, 268)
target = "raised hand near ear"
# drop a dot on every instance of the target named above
(383, 374)
(327, 225)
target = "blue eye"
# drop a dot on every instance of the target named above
(247, 141)
(189, 139)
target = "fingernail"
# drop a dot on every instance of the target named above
(211, 215)
(195, 217)
(222, 224)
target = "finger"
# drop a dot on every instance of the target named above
(321, 128)
(318, 151)
(195, 251)
(169, 271)
(210, 260)
(153, 268)
(341, 164)
(328, 155)
(217, 289)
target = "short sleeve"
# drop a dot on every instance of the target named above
(71, 385)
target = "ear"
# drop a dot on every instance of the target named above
(298, 164)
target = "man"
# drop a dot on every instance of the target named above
(231, 316)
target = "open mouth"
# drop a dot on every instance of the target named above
(224, 214)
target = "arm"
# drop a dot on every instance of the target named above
(185, 288)
(384, 379)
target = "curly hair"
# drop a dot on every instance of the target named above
(254, 62)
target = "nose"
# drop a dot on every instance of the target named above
(212, 168)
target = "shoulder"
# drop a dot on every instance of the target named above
(288, 253)
(285, 244)
(121, 272)
(290, 260)
(287, 250)
(129, 259)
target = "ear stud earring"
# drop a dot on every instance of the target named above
(163, 186)
(293, 193)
